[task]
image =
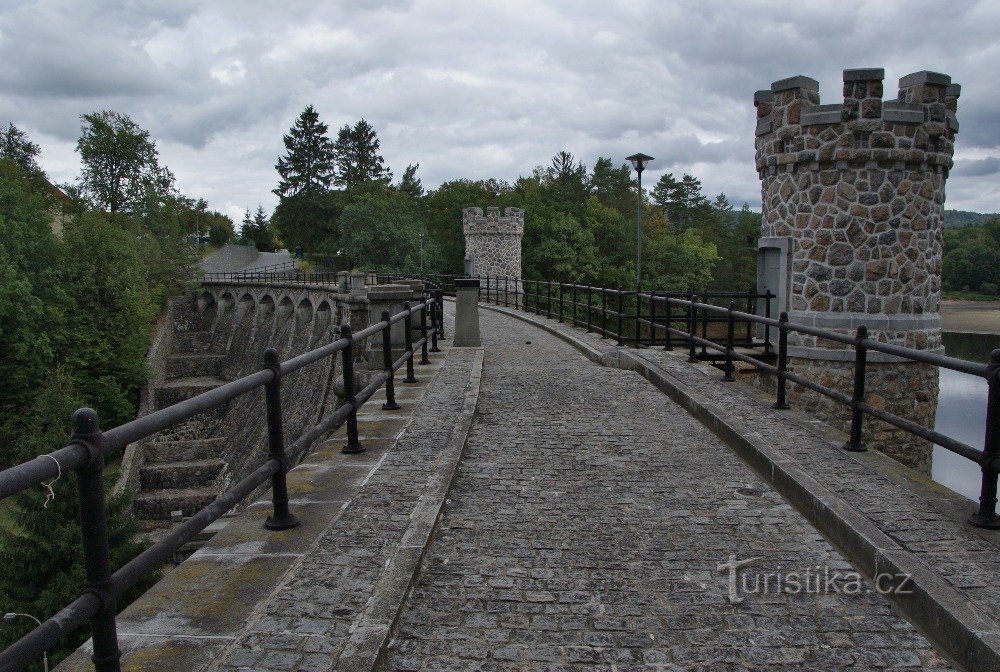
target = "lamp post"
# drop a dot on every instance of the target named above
(639, 162)
(421, 255)
(10, 616)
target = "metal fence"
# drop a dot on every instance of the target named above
(685, 319)
(89, 444)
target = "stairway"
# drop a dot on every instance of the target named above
(182, 465)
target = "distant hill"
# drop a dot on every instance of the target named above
(954, 218)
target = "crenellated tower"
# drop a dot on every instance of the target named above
(492, 242)
(853, 206)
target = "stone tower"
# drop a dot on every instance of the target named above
(853, 205)
(493, 243)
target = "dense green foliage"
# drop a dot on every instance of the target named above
(580, 225)
(961, 218)
(76, 314)
(972, 258)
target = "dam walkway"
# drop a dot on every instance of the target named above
(532, 509)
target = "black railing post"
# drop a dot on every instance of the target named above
(439, 305)
(692, 326)
(604, 312)
(767, 327)
(590, 320)
(423, 335)
(434, 328)
(574, 304)
(487, 289)
(280, 518)
(638, 316)
(548, 299)
(854, 444)
(94, 530)
(353, 446)
(704, 326)
(987, 515)
(538, 297)
(782, 402)
(408, 326)
(621, 309)
(560, 302)
(730, 329)
(669, 345)
(390, 386)
(506, 290)
(652, 318)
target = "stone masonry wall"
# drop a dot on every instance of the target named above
(859, 188)
(494, 242)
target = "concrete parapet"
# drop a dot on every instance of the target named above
(467, 313)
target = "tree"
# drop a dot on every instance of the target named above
(410, 184)
(14, 145)
(42, 554)
(307, 166)
(120, 163)
(679, 262)
(357, 157)
(258, 229)
(383, 231)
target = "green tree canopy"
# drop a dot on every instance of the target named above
(357, 157)
(14, 145)
(121, 166)
(307, 166)
(383, 231)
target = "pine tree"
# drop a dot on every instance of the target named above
(357, 157)
(307, 166)
(410, 184)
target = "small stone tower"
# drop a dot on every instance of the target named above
(853, 205)
(493, 243)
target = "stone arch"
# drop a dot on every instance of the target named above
(285, 308)
(227, 302)
(321, 323)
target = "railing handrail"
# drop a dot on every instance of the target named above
(88, 446)
(860, 343)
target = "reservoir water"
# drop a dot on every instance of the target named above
(961, 412)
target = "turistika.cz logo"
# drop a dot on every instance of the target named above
(747, 580)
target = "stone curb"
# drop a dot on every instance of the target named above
(366, 649)
(968, 637)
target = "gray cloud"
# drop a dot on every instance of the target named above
(977, 168)
(474, 89)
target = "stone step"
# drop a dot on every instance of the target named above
(193, 364)
(157, 505)
(180, 475)
(179, 389)
(193, 341)
(165, 452)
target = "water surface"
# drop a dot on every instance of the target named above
(961, 412)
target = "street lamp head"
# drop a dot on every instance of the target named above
(639, 161)
(9, 616)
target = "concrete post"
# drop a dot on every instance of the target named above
(467, 313)
(391, 298)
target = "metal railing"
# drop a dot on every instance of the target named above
(273, 277)
(680, 317)
(89, 444)
(630, 317)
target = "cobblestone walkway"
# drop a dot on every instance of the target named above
(587, 528)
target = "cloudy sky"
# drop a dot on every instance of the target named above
(477, 89)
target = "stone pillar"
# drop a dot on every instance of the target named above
(467, 314)
(856, 192)
(391, 298)
(493, 243)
